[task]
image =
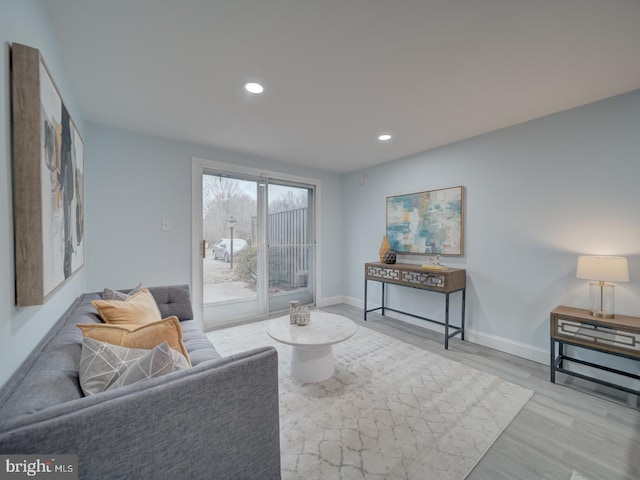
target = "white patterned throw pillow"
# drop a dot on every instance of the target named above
(104, 366)
(159, 361)
(102, 363)
(109, 294)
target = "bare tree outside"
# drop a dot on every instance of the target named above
(224, 197)
(288, 200)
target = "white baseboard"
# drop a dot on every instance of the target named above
(519, 349)
(354, 302)
(325, 302)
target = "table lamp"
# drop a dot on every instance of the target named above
(603, 269)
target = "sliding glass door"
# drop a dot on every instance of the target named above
(230, 285)
(258, 246)
(291, 253)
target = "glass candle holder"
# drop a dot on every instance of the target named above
(293, 311)
(303, 316)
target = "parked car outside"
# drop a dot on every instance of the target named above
(222, 248)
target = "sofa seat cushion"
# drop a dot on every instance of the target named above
(199, 346)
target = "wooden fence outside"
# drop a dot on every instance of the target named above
(289, 248)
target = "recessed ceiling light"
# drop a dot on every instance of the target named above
(385, 137)
(253, 87)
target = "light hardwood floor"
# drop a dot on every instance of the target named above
(567, 426)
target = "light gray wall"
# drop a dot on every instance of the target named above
(538, 195)
(133, 181)
(25, 21)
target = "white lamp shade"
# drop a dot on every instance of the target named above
(606, 269)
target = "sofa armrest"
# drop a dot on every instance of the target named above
(219, 420)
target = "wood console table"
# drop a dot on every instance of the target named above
(618, 336)
(406, 275)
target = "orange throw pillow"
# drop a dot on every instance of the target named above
(138, 336)
(138, 309)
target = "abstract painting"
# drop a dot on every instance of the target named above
(430, 222)
(48, 169)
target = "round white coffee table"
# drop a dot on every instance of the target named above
(312, 355)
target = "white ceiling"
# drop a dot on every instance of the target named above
(339, 72)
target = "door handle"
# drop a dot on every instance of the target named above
(204, 249)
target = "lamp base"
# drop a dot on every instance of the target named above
(601, 314)
(601, 300)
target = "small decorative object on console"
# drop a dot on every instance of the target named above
(390, 257)
(303, 316)
(435, 264)
(386, 255)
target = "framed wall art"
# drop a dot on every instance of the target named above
(48, 181)
(430, 222)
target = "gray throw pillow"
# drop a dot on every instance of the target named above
(102, 363)
(109, 294)
(159, 361)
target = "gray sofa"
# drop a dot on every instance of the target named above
(216, 420)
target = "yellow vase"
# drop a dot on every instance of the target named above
(384, 248)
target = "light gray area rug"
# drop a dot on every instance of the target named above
(578, 476)
(391, 411)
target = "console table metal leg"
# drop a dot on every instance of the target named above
(365, 299)
(561, 354)
(446, 323)
(552, 363)
(464, 301)
(383, 299)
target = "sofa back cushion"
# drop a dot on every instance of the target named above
(49, 375)
(174, 300)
